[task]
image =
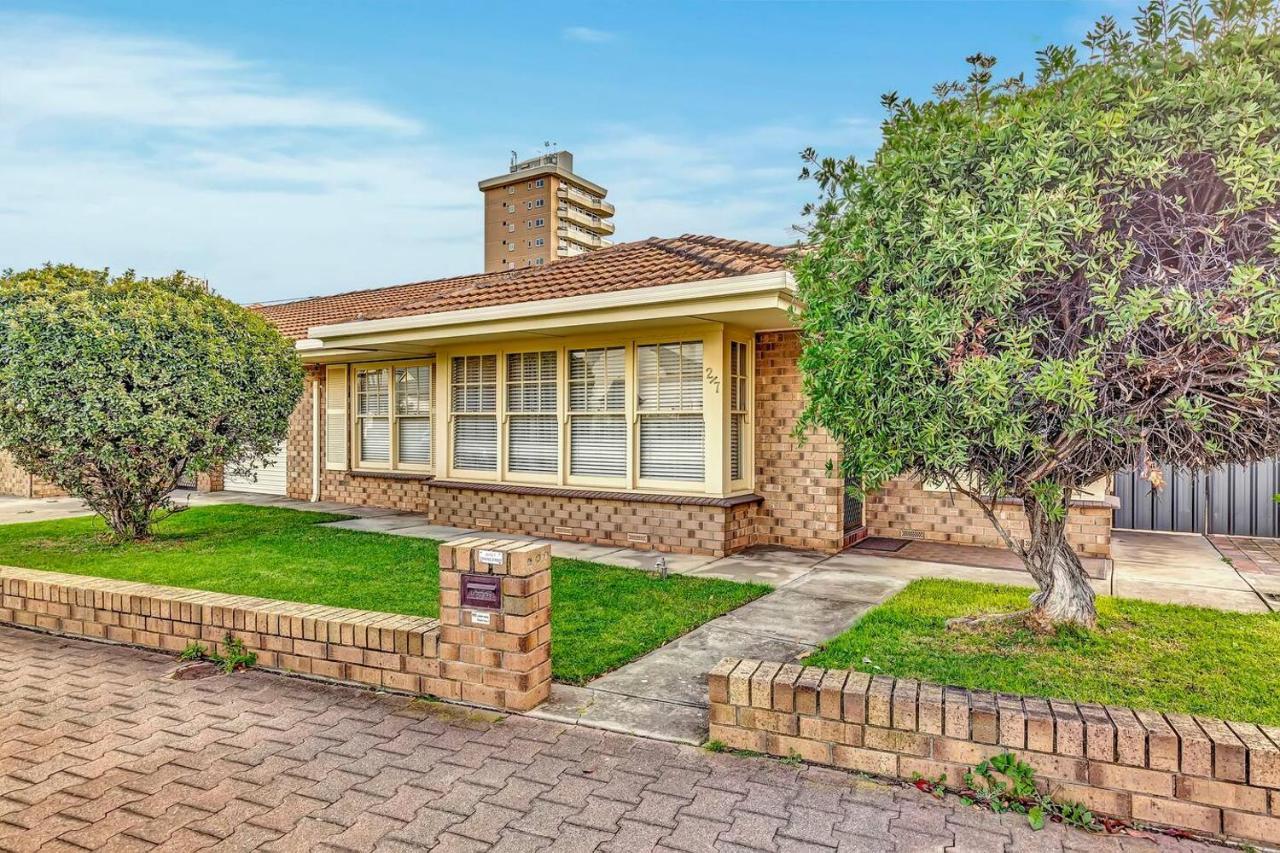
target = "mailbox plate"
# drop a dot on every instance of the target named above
(481, 591)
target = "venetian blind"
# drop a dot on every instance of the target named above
(413, 415)
(738, 396)
(373, 410)
(533, 430)
(597, 412)
(669, 399)
(474, 399)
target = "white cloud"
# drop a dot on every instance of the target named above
(127, 151)
(741, 184)
(57, 69)
(588, 35)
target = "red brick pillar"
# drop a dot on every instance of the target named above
(495, 622)
(210, 481)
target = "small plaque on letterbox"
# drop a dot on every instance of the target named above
(481, 592)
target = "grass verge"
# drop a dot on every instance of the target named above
(1161, 657)
(601, 616)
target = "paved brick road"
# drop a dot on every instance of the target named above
(98, 750)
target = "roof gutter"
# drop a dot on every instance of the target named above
(779, 282)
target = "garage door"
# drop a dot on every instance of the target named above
(1238, 500)
(269, 477)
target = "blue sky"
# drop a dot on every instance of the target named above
(287, 149)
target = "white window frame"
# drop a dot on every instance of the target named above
(393, 417)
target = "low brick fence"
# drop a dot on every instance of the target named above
(505, 664)
(1199, 774)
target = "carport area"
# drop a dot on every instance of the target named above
(1187, 568)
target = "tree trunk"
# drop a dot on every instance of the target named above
(130, 523)
(1065, 596)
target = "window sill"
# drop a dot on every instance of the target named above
(390, 475)
(598, 494)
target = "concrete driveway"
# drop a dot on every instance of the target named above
(1179, 568)
(17, 510)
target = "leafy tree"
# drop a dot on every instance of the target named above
(113, 387)
(1032, 285)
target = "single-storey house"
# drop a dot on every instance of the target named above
(643, 395)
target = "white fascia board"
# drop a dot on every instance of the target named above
(779, 281)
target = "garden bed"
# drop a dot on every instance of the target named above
(1160, 657)
(602, 616)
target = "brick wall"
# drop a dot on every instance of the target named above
(905, 509)
(16, 482)
(406, 654)
(802, 505)
(645, 525)
(13, 480)
(406, 494)
(298, 463)
(375, 649)
(1194, 773)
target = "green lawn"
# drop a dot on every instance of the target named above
(1143, 655)
(601, 616)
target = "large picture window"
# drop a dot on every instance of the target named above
(474, 404)
(611, 413)
(533, 428)
(597, 412)
(669, 404)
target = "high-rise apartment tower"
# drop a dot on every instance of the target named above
(540, 211)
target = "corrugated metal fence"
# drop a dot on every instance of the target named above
(1233, 499)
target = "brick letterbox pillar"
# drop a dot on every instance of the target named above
(495, 623)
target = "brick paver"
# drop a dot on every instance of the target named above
(99, 750)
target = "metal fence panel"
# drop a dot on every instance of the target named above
(1233, 499)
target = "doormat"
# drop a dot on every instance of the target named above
(882, 543)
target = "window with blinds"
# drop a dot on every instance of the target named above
(533, 429)
(669, 405)
(373, 416)
(392, 416)
(597, 412)
(474, 403)
(413, 415)
(738, 402)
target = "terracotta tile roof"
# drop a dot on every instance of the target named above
(626, 266)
